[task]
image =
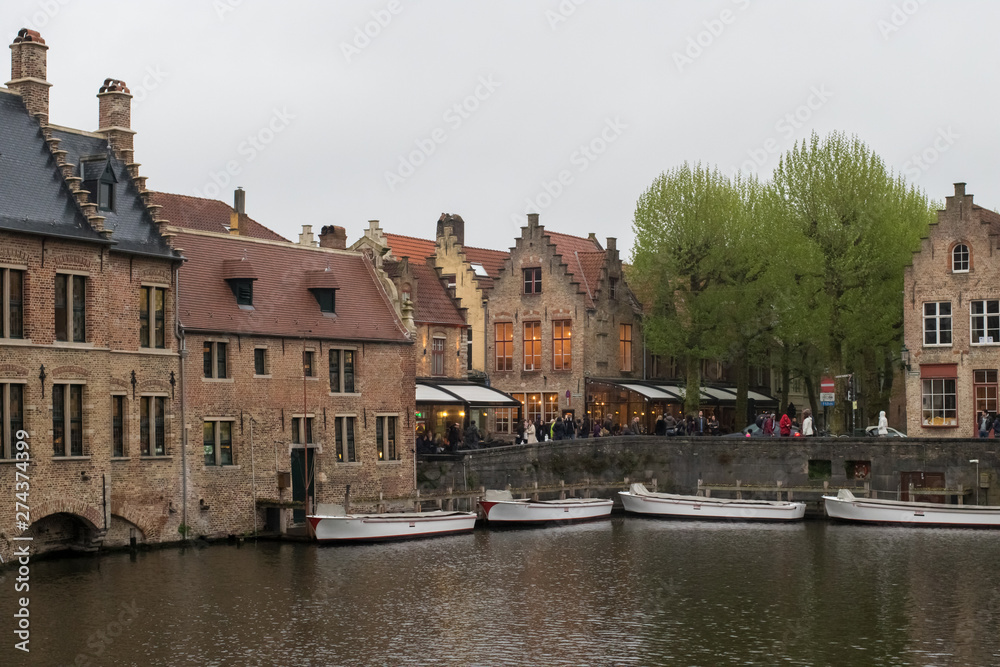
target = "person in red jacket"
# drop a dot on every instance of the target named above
(785, 425)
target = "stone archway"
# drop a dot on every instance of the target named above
(61, 528)
(149, 523)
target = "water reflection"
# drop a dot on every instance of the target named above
(626, 591)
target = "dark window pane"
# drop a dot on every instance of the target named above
(309, 429)
(335, 371)
(208, 440)
(226, 443)
(296, 433)
(350, 439)
(307, 363)
(144, 426)
(62, 283)
(160, 440)
(76, 419)
(207, 359)
(258, 361)
(59, 419)
(16, 290)
(244, 292)
(379, 437)
(159, 296)
(349, 371)
(391, 438)
(79, 309)
(326, 299)
(220, 359)
(144, 317)
(118, 425)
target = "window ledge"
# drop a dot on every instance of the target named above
(349, 464)
(939, 345)
(312, 377)
(72, 345)
(932, 426)
(15, 341)
(262, 377)
(222, 380)
(152, 350)
(391, 462)
(71, 458)
(164, 457)
(221, 467)
(3, 461)
(354, 394)
(120, 458)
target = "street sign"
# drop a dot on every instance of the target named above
(827, 395)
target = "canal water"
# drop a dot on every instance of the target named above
(625, 591)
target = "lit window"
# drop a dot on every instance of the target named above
(938, 402)
(532, 346)
(562, 345)
(960, 258)
(625, 347)
(937, 323)
(385, 438)
(437, 356)
(505, 346)
(344, 429)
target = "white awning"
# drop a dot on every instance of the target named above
(462, 394)
(656, 393)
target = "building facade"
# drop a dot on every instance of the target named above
(951, 317)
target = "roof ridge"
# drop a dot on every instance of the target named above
(434, 242)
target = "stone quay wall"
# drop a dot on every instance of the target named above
(677, 464)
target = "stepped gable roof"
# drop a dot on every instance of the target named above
(589, 265)
(34, 197)
(282, 303)
(414, 248)
(584, 259)
(431, 302)
(988, 216)
(132, 227)
(209, 215)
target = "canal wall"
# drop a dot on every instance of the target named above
(679, 464)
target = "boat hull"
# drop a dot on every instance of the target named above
(381, 527)
(515, 512)
(696, 507)
(865, 510)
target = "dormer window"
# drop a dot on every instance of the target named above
(240, 274)
(960, 258)
(324, 288)
(99, 180)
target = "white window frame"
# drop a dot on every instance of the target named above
(961, 254)
(936, 318)
(991, 309)
(938, 388)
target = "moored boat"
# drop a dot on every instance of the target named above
(845, 506)
(332, 524)
(500, 507)
(640, 500)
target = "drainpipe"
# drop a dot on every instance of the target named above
(182, 349)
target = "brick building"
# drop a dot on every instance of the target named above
(561, 317)
(89, 359)
(951, 319)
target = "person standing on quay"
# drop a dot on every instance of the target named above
(807, 423)
(785, 425)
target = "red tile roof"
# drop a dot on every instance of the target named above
(566, 245)
(414, 248)
(283, 305)
(586, 268)
(208, 215)
(407, 246)
(431, 302)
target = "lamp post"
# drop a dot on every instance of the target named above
(904, 357)
(976, 461)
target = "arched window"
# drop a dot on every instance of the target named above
(960, 258)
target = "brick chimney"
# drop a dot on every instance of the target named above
(28, 70)
(239, 212)
(332, 236)
(240, 200)
(612, 246)
(115, 117)
(453, 222)
(959, 189)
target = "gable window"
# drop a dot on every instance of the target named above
(71, 308)
(214, 359)
(105, 196)
(118, 426)
(937, 323)
(533, 280)
(960, 258)
(344, 427)
(302, 431)
(532, 346)
(11, 303)
(260, 361)
(308, 369)
(625, 347)
(437, 356)
(99, 180)
(152, 440)
(217, 439)
(562, 345)
(67, 420)
(342, 372)
(504, 346)
(11, 418)
(152, 328)
(985, 321)
(612, 288)
(385, 438)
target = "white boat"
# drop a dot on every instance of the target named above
(640, 500)
(332, 524)
(500, 507)
(848, 507)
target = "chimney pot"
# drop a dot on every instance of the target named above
(28, 70)
(959, 189)
(114, 111)
(240, 200)
(455, 223)
(333, 236)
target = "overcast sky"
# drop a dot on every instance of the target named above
(338, 113)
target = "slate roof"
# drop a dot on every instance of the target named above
(133, 230)
(431, 302)
(283, 305)
(34, 198)
(209, 215)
